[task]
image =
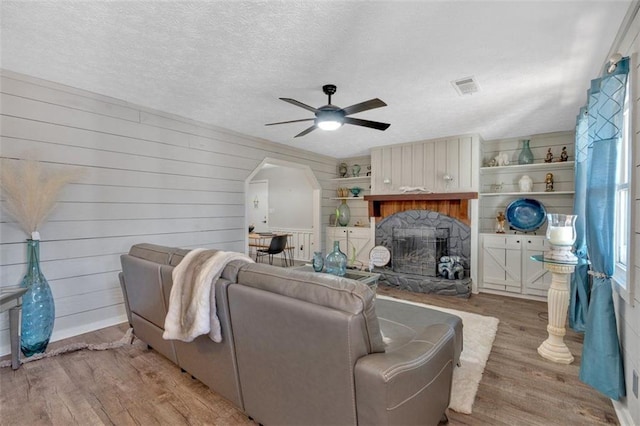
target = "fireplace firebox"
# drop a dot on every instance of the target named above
(417, 240)
(418, 250)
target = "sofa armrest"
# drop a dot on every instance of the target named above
(410, 385)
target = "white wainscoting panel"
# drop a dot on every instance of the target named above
(301, 240)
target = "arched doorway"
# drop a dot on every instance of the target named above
(292, 194)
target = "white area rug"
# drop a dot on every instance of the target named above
(478, 334)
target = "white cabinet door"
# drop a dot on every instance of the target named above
(355, 242)
(536, 280)
(507, 265)
(360, 244)
(501, 263)
(336, 234)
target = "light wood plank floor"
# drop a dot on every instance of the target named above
(134, 385)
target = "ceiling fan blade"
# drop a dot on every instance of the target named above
(363, 106)
(366, 123)
(300, 104)
(307, 131)
(292, 121)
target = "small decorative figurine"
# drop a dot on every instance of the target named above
(549, 156)
(451, 268)
(564, 156)
(501, 220)
(525, 183)
(355, 170)
(549, 181)
(343, 170)
(502, 159)
(369, 170)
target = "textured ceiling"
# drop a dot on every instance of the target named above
(226, 63)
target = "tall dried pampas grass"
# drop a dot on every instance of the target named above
(30, 191)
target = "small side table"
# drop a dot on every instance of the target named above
(11, 298)
(554, 348)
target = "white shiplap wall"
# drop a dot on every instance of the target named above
(148, 177)
(628, 311)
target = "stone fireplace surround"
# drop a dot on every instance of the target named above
(411, 211)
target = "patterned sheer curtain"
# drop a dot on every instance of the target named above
(601, 365)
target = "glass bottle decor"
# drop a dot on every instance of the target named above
(336, 261)
(318, 261)
(343, 214)
(38, 310)
(526, 156)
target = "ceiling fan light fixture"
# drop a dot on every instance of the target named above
(329, 124)
(329, 119)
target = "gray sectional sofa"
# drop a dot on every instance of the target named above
(303, 348)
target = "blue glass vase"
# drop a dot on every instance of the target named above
(343, 214)
(526, 156)
(318, 261)
(38, 310)
(336, 261)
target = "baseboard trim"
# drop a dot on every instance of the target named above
(5, 349)
(622, 411)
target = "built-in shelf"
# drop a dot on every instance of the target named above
(347, 198)
(350, 179)
(495, 194)
(529, 167)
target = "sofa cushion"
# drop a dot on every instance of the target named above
(322, 289)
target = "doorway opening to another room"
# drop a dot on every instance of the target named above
(282, 197)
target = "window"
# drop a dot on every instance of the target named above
(622, 230)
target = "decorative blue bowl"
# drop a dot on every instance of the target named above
(355, 191)
(526, 214)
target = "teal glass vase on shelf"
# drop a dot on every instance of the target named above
(38, 310)
(343, 214)
(526, 156)
(336, 261)
(318, 261)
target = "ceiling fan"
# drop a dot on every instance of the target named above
(331, 117)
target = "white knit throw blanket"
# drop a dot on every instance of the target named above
(192, 303)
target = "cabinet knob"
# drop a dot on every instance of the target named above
(518, 241)
(529, 241)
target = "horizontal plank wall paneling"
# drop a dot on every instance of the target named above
(628, 310)
(148, 176)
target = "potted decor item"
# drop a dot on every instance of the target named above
(30, 192)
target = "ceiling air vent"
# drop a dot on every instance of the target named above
(466, 86)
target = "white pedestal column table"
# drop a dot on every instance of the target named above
(554, 348)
